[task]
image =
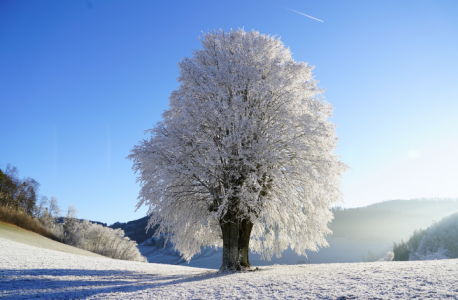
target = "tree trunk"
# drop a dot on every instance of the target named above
(230, 229)
(244, 241)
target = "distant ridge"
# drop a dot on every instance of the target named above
(437, 204)
(136, 229)
(390, 220)
(62, 220)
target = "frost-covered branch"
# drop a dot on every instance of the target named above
(247, 136)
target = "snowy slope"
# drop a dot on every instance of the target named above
(27, 271)
(17, 234)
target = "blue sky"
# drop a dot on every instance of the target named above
(81, 80)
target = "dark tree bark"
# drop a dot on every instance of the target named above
(230, 229)
(236, 242)
(244, 242)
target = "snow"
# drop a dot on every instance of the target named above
(27, 271)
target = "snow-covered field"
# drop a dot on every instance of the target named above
(28, 272)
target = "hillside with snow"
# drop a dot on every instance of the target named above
(27, 271)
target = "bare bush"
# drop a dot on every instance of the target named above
(106, 241)
(89, 236)
(23, 220)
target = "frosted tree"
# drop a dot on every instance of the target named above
(54, 208)
(70, 226)
(243, 157)
(41, 207)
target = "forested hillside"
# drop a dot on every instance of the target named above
(136, 229)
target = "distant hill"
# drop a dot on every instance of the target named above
(136, 229)
(428, 207)
(389, 220)
(62, 220)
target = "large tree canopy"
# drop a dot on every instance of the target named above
(244, 155)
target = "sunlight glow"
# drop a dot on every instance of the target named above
(414, 154)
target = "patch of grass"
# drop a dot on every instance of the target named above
(24, 221)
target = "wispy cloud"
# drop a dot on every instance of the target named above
(303, 14)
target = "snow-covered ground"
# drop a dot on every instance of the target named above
(27, 272)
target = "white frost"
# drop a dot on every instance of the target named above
(27, 271)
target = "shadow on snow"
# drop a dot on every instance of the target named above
(76, 283)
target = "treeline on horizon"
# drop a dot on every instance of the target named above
(21, 205)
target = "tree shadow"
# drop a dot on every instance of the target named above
(78, 283)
